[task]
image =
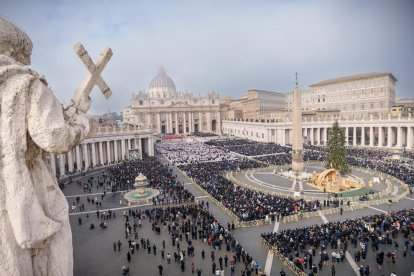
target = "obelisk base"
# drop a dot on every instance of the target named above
(297, 161)
(297, 166)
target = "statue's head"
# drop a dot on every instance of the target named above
(14, 42)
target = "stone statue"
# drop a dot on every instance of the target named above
(35, 234)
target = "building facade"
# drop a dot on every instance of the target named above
(356, 96)
(258, 102)
(166, 111)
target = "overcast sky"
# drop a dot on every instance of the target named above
(223, 46)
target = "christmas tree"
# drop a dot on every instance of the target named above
(336, 154)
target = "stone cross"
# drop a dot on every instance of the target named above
(95, 71)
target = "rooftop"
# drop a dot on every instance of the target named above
(353, 78)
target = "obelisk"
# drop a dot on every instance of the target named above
(297, 140)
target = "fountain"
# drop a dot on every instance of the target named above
(142, 194)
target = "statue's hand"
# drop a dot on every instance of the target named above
(85, 104)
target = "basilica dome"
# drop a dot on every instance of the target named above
(162, 86)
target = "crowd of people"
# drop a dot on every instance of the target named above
(246, 204)
(188, 226)
(248, 147)
(180, 152)
(332, 240)
(159, 176)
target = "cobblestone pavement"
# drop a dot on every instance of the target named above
(94, 254)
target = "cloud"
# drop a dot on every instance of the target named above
(225, 46)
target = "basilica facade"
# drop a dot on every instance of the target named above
(168, 111)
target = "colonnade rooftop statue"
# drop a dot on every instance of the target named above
(35, 234)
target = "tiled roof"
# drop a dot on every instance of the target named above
(352, 78)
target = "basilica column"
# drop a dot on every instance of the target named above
(52, 161)
(200, 122)
(347, 136)
(170, 122)
(70, 160)
(101, 153)
(208, 118)
(158, 122)
(86, 156)
(62, 164)
(218, 122)
(108, 151)
(78, 159)
(94, 161)
(389, 137)
(190, 121)
(176, 122)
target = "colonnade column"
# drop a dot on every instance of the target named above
(70, 160)
(371, 136)
(362, 136)
(140, 147)
(399, 137)
(347, 136)
(325, 136)
(94, 161)
(311, 136)
(354, 142)
(380, 136)
(389, 137)
(318, 136)
(61, 164)
(101, 153)
(86, 156)
(52, 161)
(116, 155)
(108, 151)
(410, 134)
(150, 146)
(78, 158)
(122, 149)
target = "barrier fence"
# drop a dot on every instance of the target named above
(282, 258)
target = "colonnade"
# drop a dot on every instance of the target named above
(390, 133)
(100, 151)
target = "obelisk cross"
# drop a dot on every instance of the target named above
(296, 74)
(95, 71)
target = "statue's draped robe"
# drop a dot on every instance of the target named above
(35, 234)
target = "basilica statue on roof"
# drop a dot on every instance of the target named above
(168, 111)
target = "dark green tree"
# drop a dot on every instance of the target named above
(336, 154)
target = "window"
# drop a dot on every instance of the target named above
(141, 102)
